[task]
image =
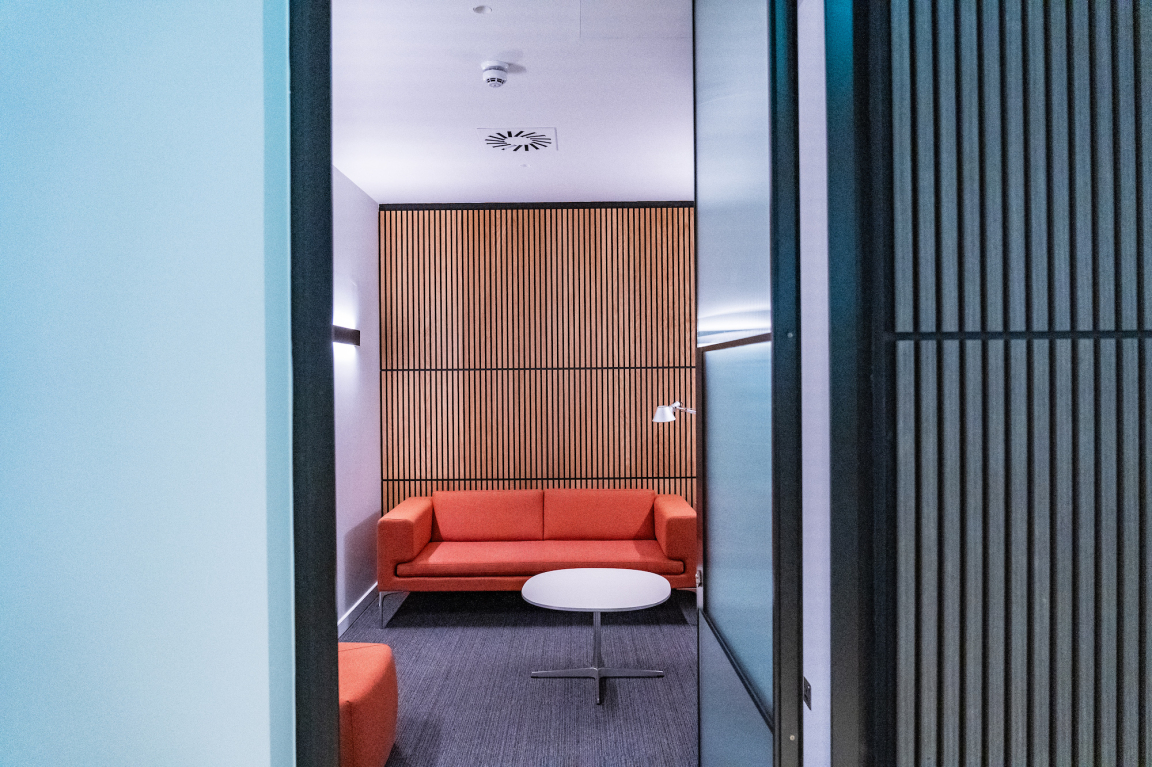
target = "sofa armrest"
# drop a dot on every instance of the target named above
(676, 529)
(401, 534)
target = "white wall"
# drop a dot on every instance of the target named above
(814, 375)
(356, 304)
(145, 401)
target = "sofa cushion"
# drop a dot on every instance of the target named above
(487, 515)
(598, 515)
(452, 558)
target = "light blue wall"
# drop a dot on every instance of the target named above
(145, 540)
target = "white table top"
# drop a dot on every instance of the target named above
(596, 589)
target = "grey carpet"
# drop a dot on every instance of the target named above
(466, 697)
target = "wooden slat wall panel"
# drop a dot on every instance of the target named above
(530, 347)
(1022, 343)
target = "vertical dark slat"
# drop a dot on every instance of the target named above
(1018, 586)
(951, 573)
(1125, 125)
(1143, 85)
(973, 516)
(1080, 62)
(1037, 177)
(997, 560)
(1145, 549)
(1040, 554)
(925, 164)
(1015, 183)
(1058, 166)
(947, 210)
(1129, 560)
(903, 128)
(928, 537)
(970, 180)
(1063, 563)
(906, 552)
(1106, 554)
(1103, 169)
(994, 198)
(1084, 569)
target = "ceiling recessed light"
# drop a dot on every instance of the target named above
(482, 9)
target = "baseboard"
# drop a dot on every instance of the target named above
(354, 611)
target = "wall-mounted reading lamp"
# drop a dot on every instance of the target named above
(665, 413)
(345, 335)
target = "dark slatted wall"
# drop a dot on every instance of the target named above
(1022, 139)
(530, 348)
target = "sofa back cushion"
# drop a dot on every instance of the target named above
(598, 515)
(487, 515)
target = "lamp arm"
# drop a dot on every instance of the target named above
(688, 410)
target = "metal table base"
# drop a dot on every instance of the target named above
(596, 671)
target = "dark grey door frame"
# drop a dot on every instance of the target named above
(313, 419)
(787, 490)
(862, 440)
(785, 714)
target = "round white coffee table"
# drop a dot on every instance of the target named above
(596, 590)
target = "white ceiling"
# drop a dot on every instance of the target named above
(612, 77)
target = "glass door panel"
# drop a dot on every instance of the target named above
(738, 521)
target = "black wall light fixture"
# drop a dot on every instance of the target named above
(345, 335)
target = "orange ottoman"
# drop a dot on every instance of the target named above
(368, 695)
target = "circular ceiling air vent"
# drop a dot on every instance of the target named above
(517, 140)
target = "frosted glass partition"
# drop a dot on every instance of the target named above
(732, 732)
(733, 179)
(738, 512)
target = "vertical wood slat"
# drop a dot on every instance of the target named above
(951, 480)
(1084, 568)
(996, 669)
(907, 516)
(1146, 548)
(972, 282)
(924, 162)
(1107, 553)
(903, 179)
(1040, 557)
(928, 550)
(973, 553)
(1080, 62)
(947, 209)
(1018, 550)
(1103, 170)
(1143, 106)
(1015, 184)
(529, 347)
(1127, 272)
(1063, 532)
(1129, 531)
(1036, 124)
(992, 184)
(1059, 176)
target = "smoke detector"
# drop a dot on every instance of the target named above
(494, 73)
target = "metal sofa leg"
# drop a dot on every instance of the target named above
(380, 602)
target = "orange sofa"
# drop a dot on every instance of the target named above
(495, 540)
